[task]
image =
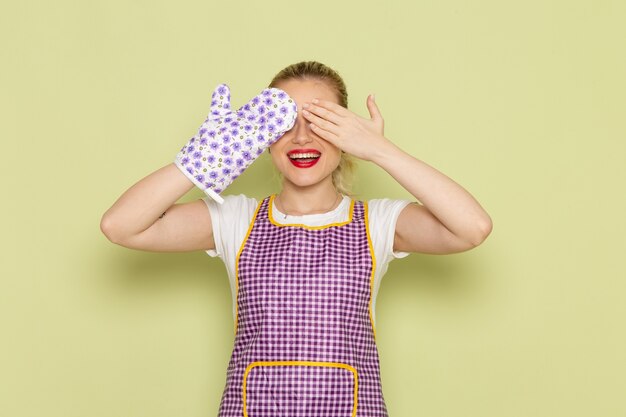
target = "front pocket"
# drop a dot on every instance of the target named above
(299, 388)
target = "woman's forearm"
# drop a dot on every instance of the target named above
(456, 208)
(143, 203)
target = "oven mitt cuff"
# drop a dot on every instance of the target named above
(228, 142)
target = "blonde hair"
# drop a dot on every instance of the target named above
(307, 70)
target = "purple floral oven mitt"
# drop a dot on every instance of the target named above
(227, 143)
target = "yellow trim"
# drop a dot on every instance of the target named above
(245, 239)
(271, 218)
(301, 363)
(371, 247)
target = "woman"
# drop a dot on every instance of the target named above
(305, 264)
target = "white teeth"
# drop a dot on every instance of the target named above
(304, 155)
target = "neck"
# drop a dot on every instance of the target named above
(318, 198)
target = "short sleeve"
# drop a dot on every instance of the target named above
(383, 216)
(229, 221)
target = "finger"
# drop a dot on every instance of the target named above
(325, 114)
(324, 134)
(336, 108)
(320, 122)
(372, 107)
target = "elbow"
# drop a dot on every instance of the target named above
(478, 234)
(482, 232)
(107, 227)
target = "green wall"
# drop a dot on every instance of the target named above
(519, 102)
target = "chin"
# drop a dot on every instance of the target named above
(304, 180)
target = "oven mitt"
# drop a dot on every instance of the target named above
(227, 143)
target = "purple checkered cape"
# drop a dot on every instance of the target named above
(304, 335)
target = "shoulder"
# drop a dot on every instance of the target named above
(385, 207)
(230, 221)
(383, 214)
(235, 205)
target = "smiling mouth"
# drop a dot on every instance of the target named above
(305, 159)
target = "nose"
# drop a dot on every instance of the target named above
(301, 130)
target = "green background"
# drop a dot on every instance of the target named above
(519, 102)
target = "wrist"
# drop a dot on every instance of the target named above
(385, 153)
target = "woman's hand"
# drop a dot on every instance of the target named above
(348, 131)
(448, 220)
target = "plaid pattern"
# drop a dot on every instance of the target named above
(316, 388)
(305, 343)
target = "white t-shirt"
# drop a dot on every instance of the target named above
(231, 221)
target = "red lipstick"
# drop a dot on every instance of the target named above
(304, 158)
